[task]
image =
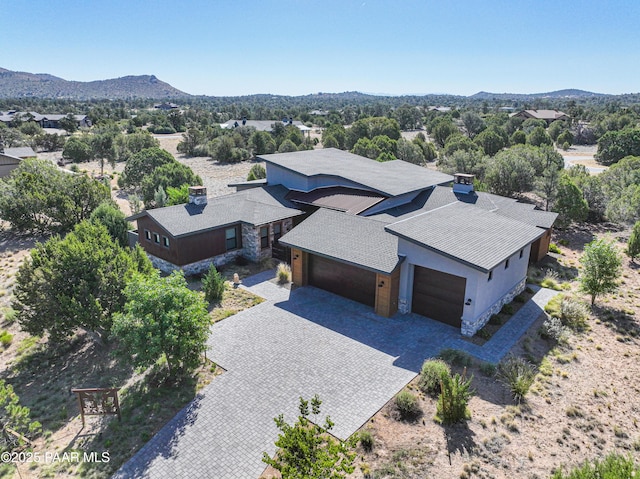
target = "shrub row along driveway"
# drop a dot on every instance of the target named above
(312, 343)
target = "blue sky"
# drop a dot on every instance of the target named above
(297, 47)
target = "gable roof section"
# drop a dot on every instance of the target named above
(476, 237)
(346, 238)
(255, 206)
(20, 152)
(391, 178)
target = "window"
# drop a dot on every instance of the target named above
(506, 264)
(490, 276)
(156, 238)
(521, 251)
(231, 238)
(264, 237)
(165, 241)
(147, 235)
(277, 232)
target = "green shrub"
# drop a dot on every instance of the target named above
(517, 375)
(257, 172)
(553, 328)
(496, 320)
(484, 333)
(507, 309)
(213, 285)
(563, 242)
(6, 338)
(9, 314)
(366, 441)
(407, 405)
(613, 466)
(574, 314)
(283, 273)
(488, 369)
(553, 307)
(453, 400)
(432, 373)
(550, 283)
(455, 357)
(553, 248)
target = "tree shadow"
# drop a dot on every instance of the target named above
(460, 439)
(13, 241)
(619, 321)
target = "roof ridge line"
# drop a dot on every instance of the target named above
(423, 213)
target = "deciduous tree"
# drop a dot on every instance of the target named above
(601, 265)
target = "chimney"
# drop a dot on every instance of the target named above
(463, 183)
(197, 195)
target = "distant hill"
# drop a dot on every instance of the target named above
(569, 93)
(42, 85)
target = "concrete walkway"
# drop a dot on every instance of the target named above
(296, 344)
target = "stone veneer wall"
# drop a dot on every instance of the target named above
(198, 267)
(469, 328)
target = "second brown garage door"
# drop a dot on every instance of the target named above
(343, 279)
(438, 295)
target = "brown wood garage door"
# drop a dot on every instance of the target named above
(438, 295)
(343, 279)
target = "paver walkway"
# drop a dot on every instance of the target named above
(296, 344)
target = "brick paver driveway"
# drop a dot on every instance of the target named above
(312, 343)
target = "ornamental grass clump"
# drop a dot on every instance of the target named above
(517, 375)
(283, 273)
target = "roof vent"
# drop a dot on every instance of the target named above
(197, 195)
(463, 183)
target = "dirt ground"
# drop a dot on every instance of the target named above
(583, 404)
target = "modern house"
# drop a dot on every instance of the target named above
(395, 236)
(547, 115)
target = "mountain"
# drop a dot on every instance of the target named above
(569, 93)
(41, 85)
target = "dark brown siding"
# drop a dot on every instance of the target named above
(187, 249)
(343, 279)
(540, 247)
(438, 295)
(170, 254)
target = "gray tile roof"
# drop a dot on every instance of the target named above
(391, 178)
(255, 206)
(20, 152)
(350, 239)
(443, 195)
(477, 237)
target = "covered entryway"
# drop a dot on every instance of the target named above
(438, 295)
(343, 279)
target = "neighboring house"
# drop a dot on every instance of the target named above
(165, 106)
(21, 152)
(8, 163)
(205, 231)
(265, 125)
(392, 235)
(45, 121)
(547, 115)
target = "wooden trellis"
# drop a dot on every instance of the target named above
(98, 401)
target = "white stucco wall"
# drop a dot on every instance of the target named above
(276, 175)
(485, 295)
